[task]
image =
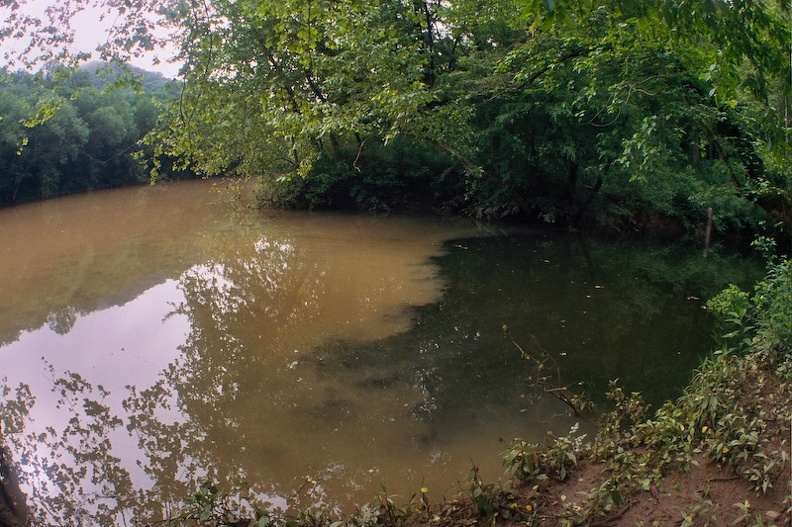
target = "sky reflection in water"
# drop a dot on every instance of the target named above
(167, 336)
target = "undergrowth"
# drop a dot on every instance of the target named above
(736, 412)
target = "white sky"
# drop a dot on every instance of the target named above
(90, 31)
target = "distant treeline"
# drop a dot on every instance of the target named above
(67, 131)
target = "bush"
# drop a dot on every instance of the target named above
(403, 175)
(763, 320)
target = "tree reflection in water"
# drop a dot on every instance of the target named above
(100, 455)
(321, 346)
(70, 474)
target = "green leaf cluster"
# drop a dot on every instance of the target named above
(628, 115)
(66, 131)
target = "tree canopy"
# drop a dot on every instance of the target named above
(63, 132)
(624, 114)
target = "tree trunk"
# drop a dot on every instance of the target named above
(7, 516)
(708, 232)
(12, 501)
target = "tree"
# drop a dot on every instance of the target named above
(582, 109)
(628, 113)
(633, 103)
(60, 135)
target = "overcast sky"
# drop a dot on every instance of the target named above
(90, 31)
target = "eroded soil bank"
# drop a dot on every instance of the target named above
(719, 455)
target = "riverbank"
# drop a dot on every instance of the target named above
(718, 455)
(638, 458)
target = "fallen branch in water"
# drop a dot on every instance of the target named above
(576, 402)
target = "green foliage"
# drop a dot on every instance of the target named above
(626, 116)
(699, 513)
(212, 506)
(209, 505)
(555, 458)
(62, 134)
(403, 175)
(383, 509)
(493, 501)
(773, 304)
(307, 77)
(616, 426)
(635, 125)
(732, 307)
(763, 320)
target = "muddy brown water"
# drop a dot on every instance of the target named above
(153, 337)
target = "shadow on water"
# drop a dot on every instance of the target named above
(603, 310)
(352, 412)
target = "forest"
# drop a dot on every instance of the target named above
(628, 117)
(64, 131)
(631, 118)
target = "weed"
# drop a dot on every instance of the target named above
(488, 498)
(382, 510)
(211, 506)
(556, 457)
(616, 426)
(699, 514)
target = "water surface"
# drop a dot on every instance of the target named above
(155, 336)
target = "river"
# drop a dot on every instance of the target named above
(154, 336)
